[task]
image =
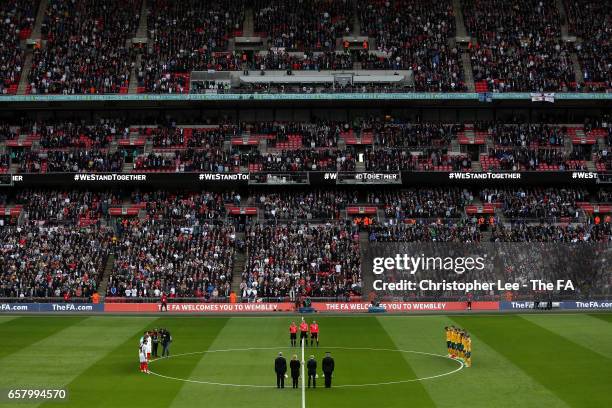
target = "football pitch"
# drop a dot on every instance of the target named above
(530, 360)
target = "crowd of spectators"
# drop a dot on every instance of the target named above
(571, 233)
(190, 208)
(154, 257)
(304, 160)
(77, 161)
(526, 158)
(86, 48)
(526, 135)
(304, 26)
(463, 231)
(420, 134)
(413, 35)
(56, 261)
(422, 202)
(79, 135)
(590, 20)
(305, 260)
(429, 159)
(17, 19)
(305, 205)
(517, 47)
(549, 203)
(64, 206)
(188, 35)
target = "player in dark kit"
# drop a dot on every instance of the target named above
(295, 366)
(293, 334)
(328, 366)
(280, 367)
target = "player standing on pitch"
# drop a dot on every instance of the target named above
(314, 333)
(293, 334)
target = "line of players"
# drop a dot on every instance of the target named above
(148, 345)
(304, 328)
(459, 344)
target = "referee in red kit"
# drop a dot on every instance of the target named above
(314, 333)
(304, 332)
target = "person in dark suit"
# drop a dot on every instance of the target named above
(311, 365)
(328, 368)
(155, 338)
(295, 366)
(280, 367)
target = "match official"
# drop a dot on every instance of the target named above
(295, 366)
(311, 365)
(280, 367)
(328, 369)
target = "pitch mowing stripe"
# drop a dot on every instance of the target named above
(585, 330)
(236, 367)
(606, 317)
(20, 333)
(576, 374)
(365, 331)
(115, 381)
(484, 385)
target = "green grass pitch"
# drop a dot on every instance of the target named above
(534, 360)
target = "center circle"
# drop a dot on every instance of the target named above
(297, 351)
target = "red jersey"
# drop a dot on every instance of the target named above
(314, 328)
(304, 327)
(293, 329)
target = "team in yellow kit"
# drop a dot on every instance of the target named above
(459, 344)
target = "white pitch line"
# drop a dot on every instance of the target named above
(461, 366)
(303, 383)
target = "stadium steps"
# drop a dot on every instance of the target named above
(367, 276)
(467, 72)
(25, 73)
(2, 147)
(40, 17)
(148, 147)
(110, 261)
(127, 167)
(476, 166)
(459, 23)
(356, 23)
(577, 68)
(113, 147)
(142, 24)
(564, 27)
(133, 88)
(239, 262)
(591, 166)
(455, 147)
(248, 27)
